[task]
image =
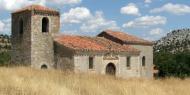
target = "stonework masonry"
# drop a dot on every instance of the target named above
(21, 43)
(35, 43)
(147, 51)
(42, 47)
(34, 47)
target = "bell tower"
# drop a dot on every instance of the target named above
(33, 29)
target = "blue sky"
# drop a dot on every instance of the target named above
(149, 19)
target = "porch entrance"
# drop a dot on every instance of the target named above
(111, 69)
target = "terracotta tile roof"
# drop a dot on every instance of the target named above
(77, 42)
(92, 44)
(110, 45)
(35, 7)
(127, 38)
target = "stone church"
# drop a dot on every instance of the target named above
(35, 43)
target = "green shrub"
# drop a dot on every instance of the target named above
(173, 65)
(4, 58)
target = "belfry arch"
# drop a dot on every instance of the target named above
(45, 24)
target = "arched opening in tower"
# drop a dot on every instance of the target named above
(45, 24)
(21, 27)
(44, 66)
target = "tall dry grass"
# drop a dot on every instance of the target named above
(27, 81)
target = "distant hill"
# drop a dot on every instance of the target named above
(175, 41)
(4, 43)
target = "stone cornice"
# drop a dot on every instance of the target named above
(46, 13)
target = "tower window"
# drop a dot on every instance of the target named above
(21, 27)
(45, 24)
(91, 64)
(143, 61)
(128, 62)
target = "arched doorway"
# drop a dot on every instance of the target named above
(44, 66)
(110, 69)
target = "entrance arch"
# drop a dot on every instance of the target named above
(44, 66)
(111, 69)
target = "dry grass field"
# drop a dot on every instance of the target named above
(27, 81)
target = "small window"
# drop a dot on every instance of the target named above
(45, 24)
(128, 63)
(91, 64)
(143, 61)
(21, 27)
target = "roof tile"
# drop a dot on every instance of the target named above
(127, 38)
(92, 44)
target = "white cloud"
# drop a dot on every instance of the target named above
(156, 31)
(130, 9)
(149, 38)
(146, 21)
(70, 32)
(98, 23)
(2, 25)
(87, 21)
(5, 26)
(11, 5)
(148, 1)
(154, 34)
(76, 15)
(64, 2)
(178, 9)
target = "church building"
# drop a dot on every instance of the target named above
(35, 43)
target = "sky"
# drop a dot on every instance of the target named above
(148, 19)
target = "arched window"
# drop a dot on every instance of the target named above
(143, 61)
(45, 24)
(44, 66)
(21, 27)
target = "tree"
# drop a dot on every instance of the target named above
(173, 65)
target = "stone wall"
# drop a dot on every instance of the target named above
(63, 58)
(67, 59)
(34, 47)
(147, 51)
(133, 70)
(42, 47)
(21, 43)
(81, 63)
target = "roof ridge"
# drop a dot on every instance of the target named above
(123, 33)
(35, 7)
(126, 37)
(75, 35)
